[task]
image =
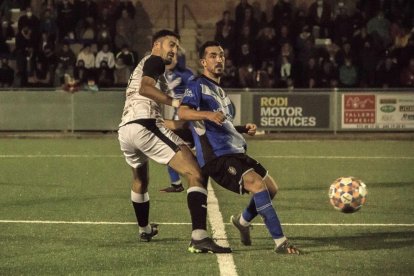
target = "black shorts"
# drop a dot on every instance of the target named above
(228, 170)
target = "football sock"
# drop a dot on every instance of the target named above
(197, 204)
(174, 177)
(279, 241)
(141, 206)
(268, 213)
(249, 213)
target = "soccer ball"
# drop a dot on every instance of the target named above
(347, 194)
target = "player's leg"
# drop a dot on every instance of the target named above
(141, 202)
(184, 162)
(254, 183)
(176, 185)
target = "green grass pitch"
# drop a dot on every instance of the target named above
(87, 180)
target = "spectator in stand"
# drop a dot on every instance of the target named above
(24, 53)
(343, 28)
(86, 30)
(407, 74)
(283, 36)
(240, 11)
(40, 76)
(245, 63)
(378, 27)
(284, 73)
(81, 74)
(282, 14)
(122, 38)
(367, 62)
(311, 76)
(66, 60)
(105, 75)
(105, 55)
(122, 73)
(66, 19)
(265, 76)
(305, 49)
(6, 73)
(48, 24)
(249, 21)
(229, 77)
(104, 17)
(7, 31)
(126, 22)
(125, 5)
(387, 72)
(329, 75)
(267, 47)
(103, 35)
(225, 32)
(300, 21)
(30, 20)
(348, 74)
(86, 8)
(345, 52)
(319, 15)
(127, 56)
(87, 57)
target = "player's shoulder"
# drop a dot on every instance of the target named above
(153, 60)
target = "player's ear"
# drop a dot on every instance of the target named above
(203, 62)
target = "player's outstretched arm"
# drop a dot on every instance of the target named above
(187, 113)
(149, 90)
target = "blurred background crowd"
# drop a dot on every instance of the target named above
(329, 44)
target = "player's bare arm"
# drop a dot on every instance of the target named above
(149, 90)
(251, 129)
(187, 113)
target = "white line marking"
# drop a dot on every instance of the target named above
(259, 156)
(188, 223)
(225, 261)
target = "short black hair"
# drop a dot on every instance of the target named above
(201, 51)
(163, 33)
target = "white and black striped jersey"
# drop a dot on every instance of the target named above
(140, 107)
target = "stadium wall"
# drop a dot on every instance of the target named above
(271, 110)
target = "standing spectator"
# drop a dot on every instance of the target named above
(250, 21)
(66, 19)
(30, 20)
(87, 56)
(86, 30)
(387, 72)
(24, 52)
(348, 74)
(367, 62)
(103, 35)
(378, 27)
(311, 75)
(319, 15)
(329, 75)
(282, 14)
(125, 5)
(40, 76)
(267, 47)
(6, 73)
(122, 38)
(225, 32)
(240, 11)
(86, 8)
(407, 74)
(342, 25)
(48, 25)
(104, 17)
(126, 21)
(66, 60)
(105, 55)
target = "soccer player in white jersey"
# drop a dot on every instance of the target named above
(221, 149)
(142, 135)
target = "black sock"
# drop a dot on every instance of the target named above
(141, 212)
(197, 203)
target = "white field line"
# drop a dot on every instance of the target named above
(188, 223)
(257, 156)
(225, 261)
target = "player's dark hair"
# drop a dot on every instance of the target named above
(163, 33)
(202, 50)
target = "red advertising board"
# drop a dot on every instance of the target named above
(359, 109)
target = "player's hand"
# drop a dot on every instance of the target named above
(216, 117)
(251, 129)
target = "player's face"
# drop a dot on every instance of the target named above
(213, 61)
(169, 47)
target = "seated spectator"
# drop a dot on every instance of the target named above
(127, 56)
(86, 30)
(284, 73)
(247, 76)
(81, 74)
(105, 55)
(6, 31)
(103, 35)
(66, 60)
(378, 27)
(225, 32)
(265, 76)
(282, 14)
(87, 56)
(229, 77)
(407, 74)
(122, 38)
(6, 73)
(329, 75)
(48, 25)
(105, 75)
(319, 15)
(348, 74)
(126, 22)
(387, 73)
(40, 76)
(267, 47)
(122, 73)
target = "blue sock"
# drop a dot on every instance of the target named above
(250, 212)
(174, 176)
(268, 213)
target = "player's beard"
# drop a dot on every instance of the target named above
(168, 58)
(218, 71)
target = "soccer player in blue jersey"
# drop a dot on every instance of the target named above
(176, 77)
(221, 148)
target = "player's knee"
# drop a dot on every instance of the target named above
(254, 185)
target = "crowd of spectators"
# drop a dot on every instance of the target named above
(72, 43)
(324, 46)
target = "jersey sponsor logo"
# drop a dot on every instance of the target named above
(188, 93)
(232, 170)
